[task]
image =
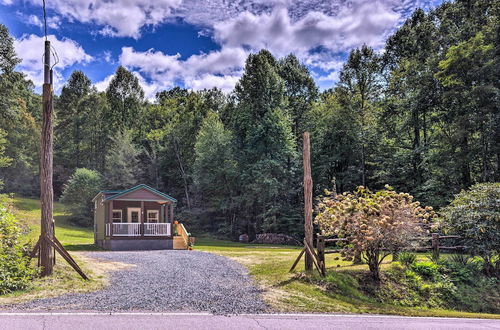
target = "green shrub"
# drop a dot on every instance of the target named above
(475, 215)
(459, 259)
(413, 279)
(407, 258)
(427, 269)
(78, 192)
(435, 258)
(342, 282)
(16, 272)
(481, 296)
(461, 268)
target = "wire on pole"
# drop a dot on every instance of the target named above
(44, 19)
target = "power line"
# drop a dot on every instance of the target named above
(44, 19)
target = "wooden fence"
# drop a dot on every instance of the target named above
(319, 261)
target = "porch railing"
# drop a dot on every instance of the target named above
(134, 229)
(156, 229)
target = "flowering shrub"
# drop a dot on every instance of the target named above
(374, 224)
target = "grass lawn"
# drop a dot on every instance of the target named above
(74, 238)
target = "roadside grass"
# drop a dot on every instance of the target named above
(73, 238)
(66, 280)
(295, 292)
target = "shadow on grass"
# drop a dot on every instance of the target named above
(82, 247)
(295, 278)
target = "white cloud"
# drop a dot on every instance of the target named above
(366, 23)
(54, 22)
(216, 69)
(108, 57)
(30, 49)
(34, 20)
(207, 81)
(103, 84)
(319, 32)
(362, 22)
(116, 18)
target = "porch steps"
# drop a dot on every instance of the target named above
(182, 238)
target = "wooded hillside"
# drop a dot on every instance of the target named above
(422, 116)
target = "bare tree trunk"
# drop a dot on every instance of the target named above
(363, 167)
(373, 264)
(183, 174)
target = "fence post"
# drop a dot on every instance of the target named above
(435, 246)
(320, 245)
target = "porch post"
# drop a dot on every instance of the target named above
(171, 216)
(172, 212)
(110, 217)
(142, 218)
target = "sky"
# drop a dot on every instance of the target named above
(196, 44)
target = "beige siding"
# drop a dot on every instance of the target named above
(99, 218)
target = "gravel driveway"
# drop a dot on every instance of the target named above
(166, 281)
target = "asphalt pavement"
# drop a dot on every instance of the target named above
(146, 321)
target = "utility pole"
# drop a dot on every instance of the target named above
(308, 227)
(46, 171)
(47, 243)
(310, 257)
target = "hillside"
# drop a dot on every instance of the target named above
(27, 211)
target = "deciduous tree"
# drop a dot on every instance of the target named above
(373, 224)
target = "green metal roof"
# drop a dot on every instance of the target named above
(119, 193)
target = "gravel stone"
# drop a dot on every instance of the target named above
(164, 281)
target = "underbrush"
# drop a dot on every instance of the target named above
(456, 283)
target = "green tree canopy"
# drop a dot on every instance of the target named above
(122, 171)
(474, 214)
(78, 192)
(125, 99)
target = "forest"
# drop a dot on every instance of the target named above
(421, 116)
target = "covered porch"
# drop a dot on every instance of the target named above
(140, 218)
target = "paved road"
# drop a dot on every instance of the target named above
(144, 321)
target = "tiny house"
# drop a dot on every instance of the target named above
(139, 218)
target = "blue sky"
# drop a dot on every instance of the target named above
(197, 44)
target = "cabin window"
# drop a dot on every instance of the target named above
(153, 216)
(117, 215)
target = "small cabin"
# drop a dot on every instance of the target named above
(139, 218)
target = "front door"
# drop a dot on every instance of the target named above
(134, 214)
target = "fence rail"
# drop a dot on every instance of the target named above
(435, 247)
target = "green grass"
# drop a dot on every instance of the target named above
(74, 238)
(295, 292)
